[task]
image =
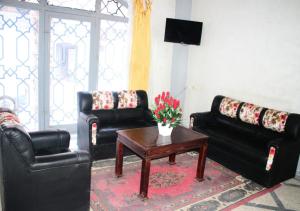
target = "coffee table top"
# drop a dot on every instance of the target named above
(147, 138)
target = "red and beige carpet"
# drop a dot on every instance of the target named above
(171, 187)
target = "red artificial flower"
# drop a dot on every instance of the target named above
(157, 115)
(157, 100)
(168, 94)
(173, 119)
(165, 120)
(171, 101)
(163, 96)
(176, 104)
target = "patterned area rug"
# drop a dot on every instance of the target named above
(171, 187)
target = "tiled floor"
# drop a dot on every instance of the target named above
(284, 198)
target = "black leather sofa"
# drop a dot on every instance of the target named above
(39, 172)
(247, 148)
(108, 121)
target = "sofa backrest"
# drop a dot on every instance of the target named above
(85, 102)
(257, 123)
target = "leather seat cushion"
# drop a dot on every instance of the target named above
(108, 133)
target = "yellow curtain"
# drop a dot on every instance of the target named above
(141, 43)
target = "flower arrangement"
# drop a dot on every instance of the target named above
(167, 110)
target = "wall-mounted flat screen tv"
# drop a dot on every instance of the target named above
(183, 31)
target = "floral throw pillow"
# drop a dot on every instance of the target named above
(250, 113)
(127, 99)
(7, 118)
(275, 120)
(229, 107)
(102, 100)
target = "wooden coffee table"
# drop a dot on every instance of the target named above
(149, 145)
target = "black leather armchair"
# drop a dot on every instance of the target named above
(39, 172)
(107, 122)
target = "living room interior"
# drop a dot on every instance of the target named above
(55, 53)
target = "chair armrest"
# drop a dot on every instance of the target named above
(200, 119)
(84, 130)
(148, 117)
(60, 160)
(50, 140)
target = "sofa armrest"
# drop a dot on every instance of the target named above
(60, 160)
(199, 119)
(292, 127)
(285, 144)
(84, 130)
(54, 141)
(88, 118)
(148, 117)
(286, 153)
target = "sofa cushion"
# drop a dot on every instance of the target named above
(105, 116)
(275, 120)
(127, 99)
(250, 113)
(108, 134)
(229, 107)
(250, 148)
(102, 100)
(243, 127)
(129, 114)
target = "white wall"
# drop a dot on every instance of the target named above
(250, 50)
(161, 52)
(180, 56)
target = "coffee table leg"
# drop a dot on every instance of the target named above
(201, 162)
(145, 178)
(119, 159)
(172, 159)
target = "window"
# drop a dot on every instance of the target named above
(31, 1)
(69, 67)
(76, 4)
(42, 67)
(114, 7)
(19, 61)
(113, 56)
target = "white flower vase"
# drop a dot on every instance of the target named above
(165, 130)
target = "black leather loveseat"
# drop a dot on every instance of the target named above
(102, 142)
(259, 143)
(39, 172)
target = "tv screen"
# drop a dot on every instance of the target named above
(183, 31)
